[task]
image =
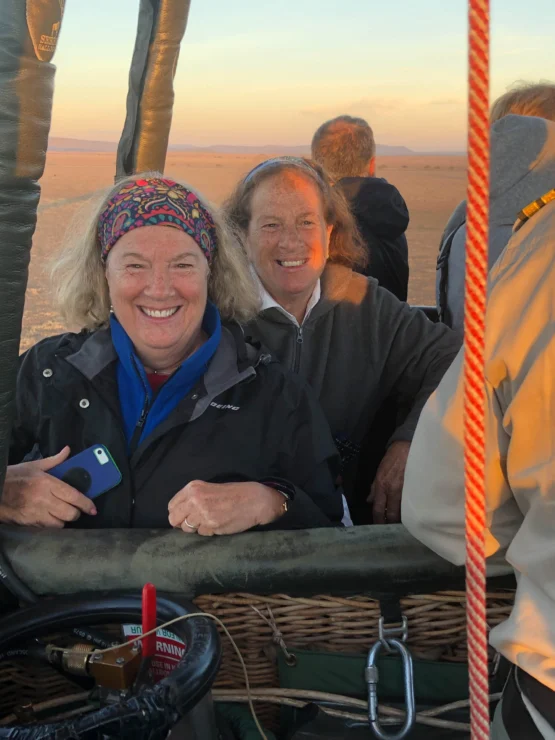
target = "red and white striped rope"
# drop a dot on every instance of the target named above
(474, 403)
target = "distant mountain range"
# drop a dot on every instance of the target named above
(298, 151)
(58, 144)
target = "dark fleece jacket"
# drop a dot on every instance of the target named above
(358, 347)
(382, 218)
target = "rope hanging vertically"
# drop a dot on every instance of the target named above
(474, 328)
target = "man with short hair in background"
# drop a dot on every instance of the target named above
(346, 149)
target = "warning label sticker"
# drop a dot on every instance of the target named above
(169, 650)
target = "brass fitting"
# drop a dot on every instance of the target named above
(75, 659)
(116, 669)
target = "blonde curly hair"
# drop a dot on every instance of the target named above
(78, 277)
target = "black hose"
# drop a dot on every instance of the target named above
(147, 716)
(98, 639)
(35, 650)
(23, 593)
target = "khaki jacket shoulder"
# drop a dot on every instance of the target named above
(520, 451)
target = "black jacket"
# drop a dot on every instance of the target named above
(247, 420)
(359, 346)
(382, 218)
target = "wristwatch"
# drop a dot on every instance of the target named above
(286, 489)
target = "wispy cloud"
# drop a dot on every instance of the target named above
(363, 105)
(445, 101)
(517, 51)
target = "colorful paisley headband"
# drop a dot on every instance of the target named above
(155, 202)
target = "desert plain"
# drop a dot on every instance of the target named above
(432, 186)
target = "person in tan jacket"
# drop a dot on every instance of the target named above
(520, 461)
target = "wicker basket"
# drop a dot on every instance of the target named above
(436, 628)
(261, 625)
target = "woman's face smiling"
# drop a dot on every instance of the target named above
(158, 282)
(288, 238)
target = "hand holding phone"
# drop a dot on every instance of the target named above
(33, 498)
(92, 471)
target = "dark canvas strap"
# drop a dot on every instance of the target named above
(144, 140)
(443, 267)
(517, 721)
(28, 36)
(538, 695)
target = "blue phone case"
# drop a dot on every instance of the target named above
(92, 472)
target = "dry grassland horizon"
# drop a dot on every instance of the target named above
(431, 185)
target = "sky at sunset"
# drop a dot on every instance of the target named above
(270, 71)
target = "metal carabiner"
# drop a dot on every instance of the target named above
(371, 675)
(386, 633)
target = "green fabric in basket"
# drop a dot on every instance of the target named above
(239, 719)
(338, 673)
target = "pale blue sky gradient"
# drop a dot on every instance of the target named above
(270, 71)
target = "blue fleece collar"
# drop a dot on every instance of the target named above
(135, 394)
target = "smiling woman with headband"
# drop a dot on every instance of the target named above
(161, 375)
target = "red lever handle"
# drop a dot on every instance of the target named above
(149, 619)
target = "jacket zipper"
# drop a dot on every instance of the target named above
(298, 347)
(138, 429)
(135, 439)
(137, 432)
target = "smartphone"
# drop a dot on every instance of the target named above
(91, 472)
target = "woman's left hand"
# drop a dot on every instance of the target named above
(224, 508)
